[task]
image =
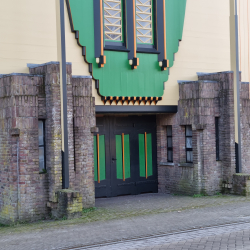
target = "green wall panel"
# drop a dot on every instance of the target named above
(175, 14)
(142, 163)
(127, 156)
(142, 155)
(119, 166)
(149, 155)
(116, 78)
(118, 145)
(102, 157)
(83, 21)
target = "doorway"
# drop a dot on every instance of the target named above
(125, 160)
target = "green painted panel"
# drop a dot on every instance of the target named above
(146, 80)
(119, 166)
(175, 14)
(127, 156)
(149, 155)
(116, 78)
(95, 159)
(118, 141)
(83, 21)
(142, 155)
(102, 157)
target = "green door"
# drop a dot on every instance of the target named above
(125, 155)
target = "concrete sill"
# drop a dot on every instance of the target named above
(190, 165)
(167, 164)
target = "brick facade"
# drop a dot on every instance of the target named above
(26, 194)
(200, 102)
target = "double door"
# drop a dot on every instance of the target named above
(125, 155)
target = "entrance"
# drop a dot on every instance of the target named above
(125, 155)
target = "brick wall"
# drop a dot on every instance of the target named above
(84, 120)
(200, 102)
(24, 99)
(23, 192)
(51, 72)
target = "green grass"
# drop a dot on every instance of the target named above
(198, 195)
(88, 210)
(2, 225)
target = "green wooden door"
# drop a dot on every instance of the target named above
(125, 156)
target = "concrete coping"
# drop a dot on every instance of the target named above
(203, 81)
(166, 164)
(183, 81)
(67, 191)
(32, 65)
(242, 174)
(20, 74)
(190, 165)
(215, 73)
(89, 77)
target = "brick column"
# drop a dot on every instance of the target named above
(51, 72)
(84, 120)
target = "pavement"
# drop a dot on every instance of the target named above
(148, 221)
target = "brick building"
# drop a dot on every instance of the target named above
(134, 125)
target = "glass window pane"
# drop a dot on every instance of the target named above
(40, 132)
(169, 130)
(144, 21)
(170, 145)
(189, 142)
(41, 159)
(189, 156)
(188, 130)
(113, 20)
(170, 155)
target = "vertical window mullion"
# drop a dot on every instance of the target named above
(169, 144)
(41, 133)
(217, 138)
(188, 142)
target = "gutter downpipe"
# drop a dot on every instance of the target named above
(63, 87)
(239, 162)
(234, 48)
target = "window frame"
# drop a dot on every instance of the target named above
(188, 149)
(170, 149)
(117, 45)
(42, 146)
(150, 48)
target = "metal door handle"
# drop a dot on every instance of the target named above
(114, 159)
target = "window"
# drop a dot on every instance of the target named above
(113, 21)
(189, 146)
(169, 144)
(217, 138)
(144, 22)
(41, 133)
